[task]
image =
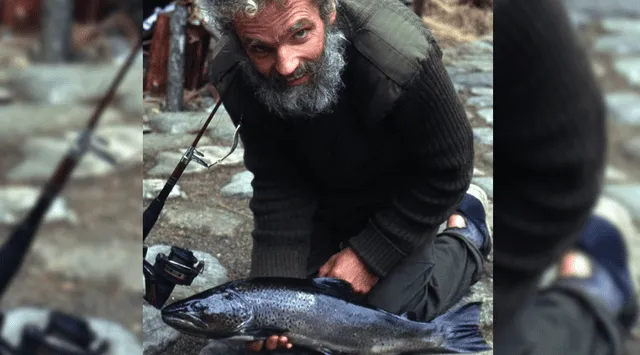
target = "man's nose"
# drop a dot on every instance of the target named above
(287, 61)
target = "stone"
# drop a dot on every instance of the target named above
(94, 259)
(40, 119)
(71, 83)
(600, 8)
(614, 174)
(473, 62)
(631, 148)
(480, 101)
(618, 44)
(481, 91)
(157, 336)
(152, 187)
(455, 70)
(486, 183)
(124, 144)
(629, 68)
(223, 129)
(17, 201)
(5, 96)
(488, 158)
(578, 19)
(208, 220)
(239, 186)
(483, 135)
(473, 79)
(213, 274)
(628, 195)
(481, 65)
(121, 341)
(622, 25)
(131, 105)
(158, 142)
(167, 161)
(624, 107)
(486, 115)
(220, 127)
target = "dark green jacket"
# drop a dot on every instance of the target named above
(383, 170)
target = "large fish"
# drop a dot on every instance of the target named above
(320, 314)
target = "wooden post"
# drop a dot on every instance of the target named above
(89, 11)
(477, 3)
(21, 16)
(197, 47)
(175, 82)
(156, 80)
(418, 7)
(57, 23)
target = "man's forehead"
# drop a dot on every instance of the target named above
(281, 14)
(255, 37)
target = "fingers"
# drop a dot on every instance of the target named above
(255, 345)
(326, 269)
(284, 343)
(272, 343)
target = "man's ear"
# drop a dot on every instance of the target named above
(332, 17)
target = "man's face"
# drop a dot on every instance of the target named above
(282, 38)
(295, 60)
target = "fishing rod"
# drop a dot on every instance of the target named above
(65, 334)
(180, 267)
(151, 213)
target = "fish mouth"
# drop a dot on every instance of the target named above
(183, 320)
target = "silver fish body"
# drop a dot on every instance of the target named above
(318, 314)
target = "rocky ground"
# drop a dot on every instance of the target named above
(610, 30)
(209, 210)
(86, 257)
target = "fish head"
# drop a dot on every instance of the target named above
(213, 314)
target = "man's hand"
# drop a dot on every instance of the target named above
(346, 265)
(272, 343)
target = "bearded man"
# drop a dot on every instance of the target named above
(359, 146)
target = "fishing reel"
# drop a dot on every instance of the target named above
(180, 267)
(64, 335)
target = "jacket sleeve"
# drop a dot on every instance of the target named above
(431, 120)
(282, 206)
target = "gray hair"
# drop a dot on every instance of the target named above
(221, 13)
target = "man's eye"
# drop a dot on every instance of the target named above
(259, 49)
(301, 34)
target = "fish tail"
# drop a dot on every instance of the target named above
(463, 335)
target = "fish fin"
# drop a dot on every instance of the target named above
(263, 332)
(463, 333)
(335, 287)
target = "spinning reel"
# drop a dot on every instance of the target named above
(64, 335)
(180, 267)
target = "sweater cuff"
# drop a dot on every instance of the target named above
(378, 253)
(278, 262)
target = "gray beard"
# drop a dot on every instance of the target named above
(316, 96)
